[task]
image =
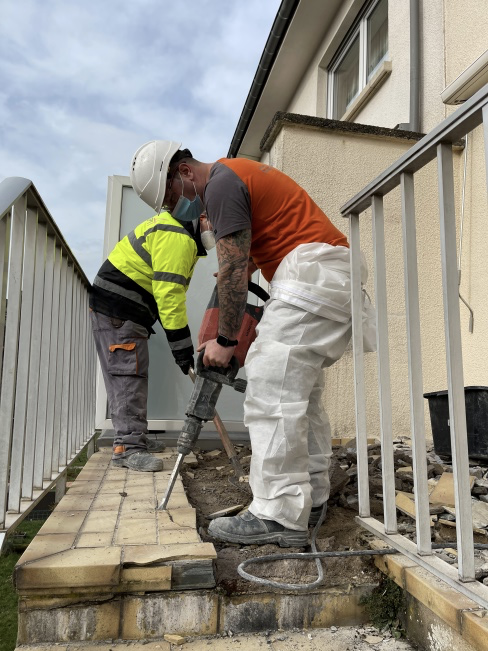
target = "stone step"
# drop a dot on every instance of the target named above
(108, 565)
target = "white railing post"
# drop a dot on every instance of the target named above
(4, 247)
(384, 382)
(53, 358)
(415, 365)
(454, 356)
(35, 363)
(64, 445)
(59, 368)
(9, 370)
(60, 489)
(44, 367)
(23, 364)
(357, 341)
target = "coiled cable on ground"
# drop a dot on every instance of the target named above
(316, 556)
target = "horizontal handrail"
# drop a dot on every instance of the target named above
(14, 187)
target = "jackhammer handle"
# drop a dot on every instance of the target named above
(230, 372)
(224, 437)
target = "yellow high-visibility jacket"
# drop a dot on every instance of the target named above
(147, 275)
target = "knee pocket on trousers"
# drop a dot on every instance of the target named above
(126, 359)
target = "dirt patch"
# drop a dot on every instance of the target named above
(211, 487)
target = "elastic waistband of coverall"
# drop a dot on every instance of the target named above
(316, 277)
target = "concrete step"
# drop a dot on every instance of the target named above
(107, 565)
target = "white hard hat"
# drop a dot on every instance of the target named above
(149, 170)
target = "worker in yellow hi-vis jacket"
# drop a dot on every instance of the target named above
(145, 278)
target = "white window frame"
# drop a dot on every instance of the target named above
(359, 28)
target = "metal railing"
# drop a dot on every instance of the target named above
(47, 361)
(438, 143)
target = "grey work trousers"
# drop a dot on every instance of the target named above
(124, 359)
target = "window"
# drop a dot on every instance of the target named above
(358, 58)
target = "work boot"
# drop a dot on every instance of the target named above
(315, 514)
(154, 446)
(141, 461)
(247, 529)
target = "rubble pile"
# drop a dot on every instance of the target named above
(344, 493)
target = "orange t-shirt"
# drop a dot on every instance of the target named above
(243, 193)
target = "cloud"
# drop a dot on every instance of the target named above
(85, 84)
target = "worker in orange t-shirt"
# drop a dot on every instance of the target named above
(263, 220)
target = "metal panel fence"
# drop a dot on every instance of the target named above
(437, 144)
(47, 361)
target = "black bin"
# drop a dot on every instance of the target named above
(476, 401)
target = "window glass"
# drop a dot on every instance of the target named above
(346, 77)
(377, 35)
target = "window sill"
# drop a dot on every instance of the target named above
(368, 91)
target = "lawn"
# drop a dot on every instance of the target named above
(8, 597)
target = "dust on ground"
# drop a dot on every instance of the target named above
(210, 487)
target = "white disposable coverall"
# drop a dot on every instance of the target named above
(306, 327)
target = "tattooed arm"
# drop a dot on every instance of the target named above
(233, 256)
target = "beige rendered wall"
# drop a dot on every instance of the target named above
(390, 105)
(310, 97)
(333, 167)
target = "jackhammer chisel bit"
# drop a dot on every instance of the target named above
(201, 408)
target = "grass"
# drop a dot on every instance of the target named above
(15, 545)
(8, 603)
(385, 607)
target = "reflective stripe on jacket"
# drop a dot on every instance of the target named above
(160, 255)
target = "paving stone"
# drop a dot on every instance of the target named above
(479, 513)
(95, 540)
(172, 536)
(134, 511)
(175, 518)
(177, 500)
(84, 487)
(136, 532)
(106, 501)
(148, 579)
(79, 567)
(72, 502)
(100, 522)
(47, 545)
(443, 493)
(63, 522)
(112, 486)
(144, 555)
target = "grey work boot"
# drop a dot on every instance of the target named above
(315, 514)
(154, 446)
(247, 529)
(142, 461)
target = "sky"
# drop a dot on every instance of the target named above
(84, 83)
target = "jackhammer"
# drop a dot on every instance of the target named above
(208, 383)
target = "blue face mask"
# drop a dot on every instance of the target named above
(186, 210)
